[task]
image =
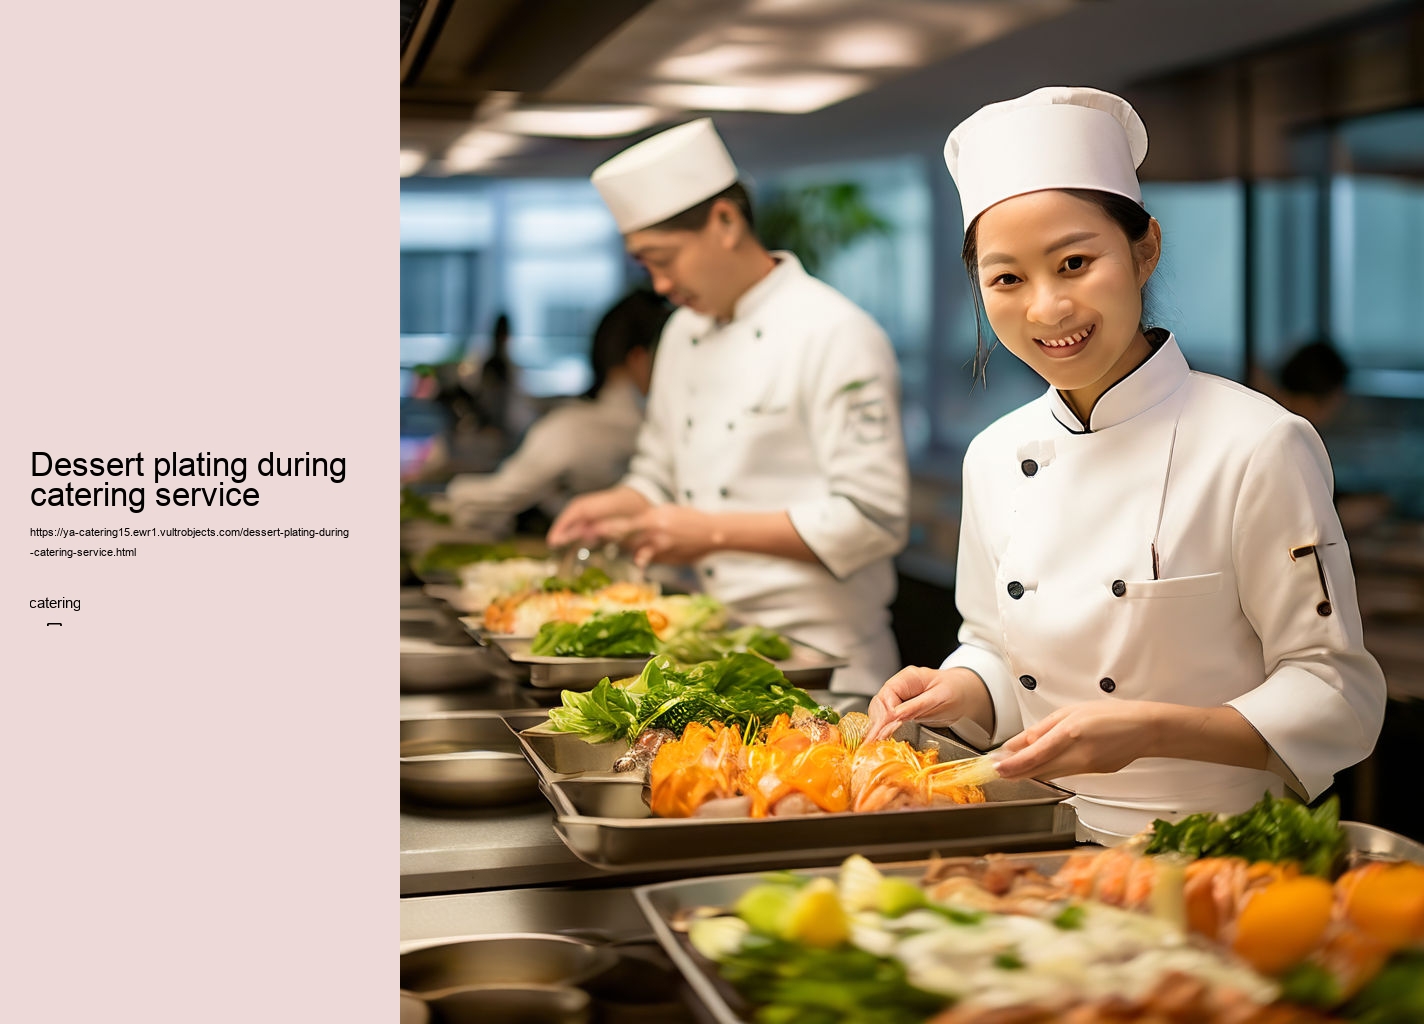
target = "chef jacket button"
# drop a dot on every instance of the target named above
(1107, 685)
(689, 421)
(1029, 682)
(758, 332)
(730, 426)
(1119, 588)
(1015, 589)
(687, 495)
(1323, 608)
(1029, 467)
(723, 491)
(708, 571)
(694, 341)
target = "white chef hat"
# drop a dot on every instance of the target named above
(660, 177)
(1055, 137)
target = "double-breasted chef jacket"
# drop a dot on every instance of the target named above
(1251, 600)
(791, 405)
(579, 447)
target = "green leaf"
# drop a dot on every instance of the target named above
(605, 713)
(1273, 830)
(604, 635)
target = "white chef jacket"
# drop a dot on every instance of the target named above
(1253, 602)
(792, 405)
(579, 447)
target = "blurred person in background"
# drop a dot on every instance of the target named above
(579, 447)
(772, 458)
(494, 392)
(1311, 383)
(1159, 609)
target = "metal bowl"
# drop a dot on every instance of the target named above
(463, 759)
(414, 1010)
(427, 666)
(515, 1004)
(501, 961)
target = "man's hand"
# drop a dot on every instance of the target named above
(668, 533)
(596, 517)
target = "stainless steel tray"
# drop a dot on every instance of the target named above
(808, 667)
(607, 824)
(560, 755)
(663, 901)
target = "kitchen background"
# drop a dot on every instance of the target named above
(1286, 166)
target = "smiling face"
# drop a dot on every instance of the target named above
(1062, 288)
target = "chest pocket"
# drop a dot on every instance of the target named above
(1167, 638)
(1181, 586)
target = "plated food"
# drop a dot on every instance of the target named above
(1095, 936)
(798, 764)
(524, 612)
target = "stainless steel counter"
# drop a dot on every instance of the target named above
(610, 912)
(451, 851)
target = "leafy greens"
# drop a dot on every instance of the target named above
(448, 558)
(610, 635)
(586, 582)
(741, 690)
(1275, 829)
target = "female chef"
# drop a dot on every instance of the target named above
(1159, 610)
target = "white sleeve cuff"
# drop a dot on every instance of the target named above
(1308, 723)
(990, 667)
(842, 536)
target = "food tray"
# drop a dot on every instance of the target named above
(605, 821)
(808, 667)
(662, 902)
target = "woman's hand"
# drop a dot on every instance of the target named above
(1097, 737)
(935, 696)
(1104, 736)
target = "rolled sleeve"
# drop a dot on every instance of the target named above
(1322, 703)
(853, 414)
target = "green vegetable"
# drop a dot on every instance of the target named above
(743, 691)
(795, 984)
(691, 644)
(586, 582)
(765, 907)
(415, 506)
(1309, 984)
(1070, 917)
(1273, 830)
(602, 714)
(604, 635)
(1394, 996)
(1008, 961)
(448, 558)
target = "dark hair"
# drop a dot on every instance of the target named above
(1316, 369)
(634, 322)
(695, 218)
(1127, 214)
